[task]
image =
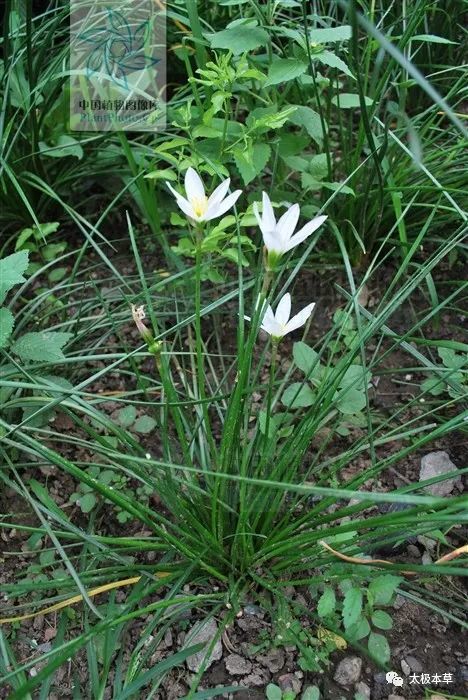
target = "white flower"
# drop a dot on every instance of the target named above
(279, 324)
(197, 205)
(279, 236)
(138, 313)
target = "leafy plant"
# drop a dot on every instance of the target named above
(454, 380)
(236, 463)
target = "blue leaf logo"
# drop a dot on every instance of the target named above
(117, 50)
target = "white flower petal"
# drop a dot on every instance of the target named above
(268, 322)
(268, 315)
(268, 216)
(194, 188)
(257, 216)
(272, 243)
(272, 327)
(305, 232)
(182, 202)
(288, 223)
(220, 192)
(223, 206)
(299, 319)
(283, 310)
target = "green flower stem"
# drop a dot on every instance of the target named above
(274, 357)
(266, 283)
(199, 343)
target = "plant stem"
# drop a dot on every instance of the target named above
(274, 356)
(199, 344)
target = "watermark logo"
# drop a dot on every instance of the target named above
(394, 679)
(117, 65)
(117, 48)
(420, 679)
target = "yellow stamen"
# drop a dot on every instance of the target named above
(199, 205)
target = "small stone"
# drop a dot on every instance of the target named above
(399, 602)
(348, 670)
(427, 542)
(38, 623)
(414, 664)
(237, 665)
(254, 610)
(288, 681)
(253, 680)
(203, 632)
(363, 690)
(426, 558)
(273, 660)
(168, 638)
(413, 551)
(405, 667)
(436, 464)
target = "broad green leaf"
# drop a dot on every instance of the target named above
(38, 233)
(378, 648)
(296, 163)
(53, 250)
(127, 416)
(298, 396)
(87, 502)
(382, 620)
(44, 497)
(328, 58)
(283, 70)
(47, 557)
(162, 174)
(239, 38)
(311, 693)
(330, 35)
(327, 602)
(65, 146)
(451, 359)
(339, 187)
(232, 254)
(318, 167)
(23, 237)
(305, 358)
(432, 38)
(272, 427)
(359, 630)
(355, 376)
(265, 118)
(57, 274)
(144, 424)
(33, 419)
(43, 346)
(7, 322)
(383, 587)
(349, 100)
(206, 132)
(309, 182)
(11, 271)
(273, 692)
(278, 423)
(292, 144)
(352, 606)
(434, 386)
(310, 120)
(350, 400)
(249, 169)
